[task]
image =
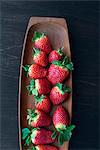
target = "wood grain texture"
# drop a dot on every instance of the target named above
(57, 31)
(83, 25)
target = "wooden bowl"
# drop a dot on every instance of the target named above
(56, 28)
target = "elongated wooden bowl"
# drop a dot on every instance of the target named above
(56, 28)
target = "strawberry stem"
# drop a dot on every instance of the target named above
(35, 51)
(65, 60)
(60, 51)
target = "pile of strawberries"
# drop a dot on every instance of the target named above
(48, 72)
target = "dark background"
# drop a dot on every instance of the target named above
(83, 24)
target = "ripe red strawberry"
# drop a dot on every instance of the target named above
(37, 136)
(43, 103)
(40, 57)
(61, 123)
(60, 117)
(44, 147)
(35, 71)
(59, 93)
(39, 86)
(43, 86)
(37, 118)
(42, 42)
(59, 70)
(55, 55)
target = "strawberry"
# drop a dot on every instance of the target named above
(60, 117)
(35, 71)
(43, 103)
(61, 123)
(43, 86)
(37, 136)
(37, 118)
(39, 57)
(59, 70)
(42, 42)
(55, 55)
(44, 147)
(59, 93)
(39, 86)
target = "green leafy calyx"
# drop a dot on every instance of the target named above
(63, 88)
(65, 134)
(39, 99)
(26, 69)
(31, 88)
(57, 63)
(38, 35)
(31, 115)
(26, 136)
(70, 66)
(25, 133)
(66, 63)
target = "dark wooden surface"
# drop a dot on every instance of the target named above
(82, 18)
